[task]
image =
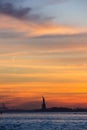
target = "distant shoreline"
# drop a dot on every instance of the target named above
(53, 109)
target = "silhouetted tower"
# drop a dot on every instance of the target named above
(43, 104)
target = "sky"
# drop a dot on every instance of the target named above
(43, 52)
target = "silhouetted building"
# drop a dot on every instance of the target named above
(43, 104)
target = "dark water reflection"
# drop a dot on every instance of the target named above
(44, 121)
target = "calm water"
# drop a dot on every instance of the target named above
(44, 121)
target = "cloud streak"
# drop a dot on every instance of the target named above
(10, 9)
(32, 29)
(21, 20)
(17, 10)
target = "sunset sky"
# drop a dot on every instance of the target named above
(43, 52)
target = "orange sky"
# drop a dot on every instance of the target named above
(42, 58)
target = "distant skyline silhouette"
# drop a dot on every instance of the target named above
(4, 109)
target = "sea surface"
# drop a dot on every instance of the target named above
(43, 121)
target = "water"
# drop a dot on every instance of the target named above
(44, 121)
